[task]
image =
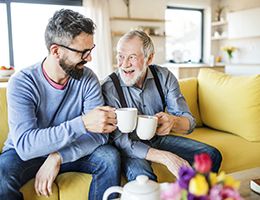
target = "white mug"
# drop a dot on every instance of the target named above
(146, 126)
(126, 119)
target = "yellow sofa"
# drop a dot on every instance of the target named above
(227, 110)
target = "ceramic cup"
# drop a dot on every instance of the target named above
(126, 119)
(146, 127)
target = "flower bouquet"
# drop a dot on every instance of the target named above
(229, 50)
(201, 184)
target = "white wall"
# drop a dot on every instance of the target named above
(248, 48)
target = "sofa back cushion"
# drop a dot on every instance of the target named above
(189, 89)
(230, 103)
(3, 119)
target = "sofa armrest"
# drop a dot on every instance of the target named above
(3, 121)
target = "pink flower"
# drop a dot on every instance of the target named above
(218, 192)
(173, 192)
(202, 163)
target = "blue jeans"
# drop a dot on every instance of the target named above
(184, 147)
(104, 165)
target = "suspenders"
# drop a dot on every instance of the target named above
(122, 100)
(119, 90)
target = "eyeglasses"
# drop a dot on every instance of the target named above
(84, 54)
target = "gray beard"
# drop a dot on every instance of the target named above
(72, 70)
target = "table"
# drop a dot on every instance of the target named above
(244, 177)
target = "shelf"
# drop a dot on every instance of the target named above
(219, 38)
(119, 34)
(218, 23)
(137, 19)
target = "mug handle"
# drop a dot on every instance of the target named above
(113, 189)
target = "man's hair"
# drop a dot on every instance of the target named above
(148, 47)
(65, 25)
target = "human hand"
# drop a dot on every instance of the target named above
(47, 174)
(173, 162)
(165, 123)
(100, 120)
(170, 160)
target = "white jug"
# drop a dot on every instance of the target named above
(140, 189)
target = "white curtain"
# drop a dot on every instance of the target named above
(98, 11)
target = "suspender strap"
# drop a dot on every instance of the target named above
(119, 90)
(158, 84)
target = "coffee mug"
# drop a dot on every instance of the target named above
(146, 126)
(126, 119)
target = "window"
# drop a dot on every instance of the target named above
(4, 48)
(27, 45)
(184, 31)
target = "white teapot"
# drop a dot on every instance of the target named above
(140, 189)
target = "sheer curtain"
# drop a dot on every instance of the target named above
(101, 63)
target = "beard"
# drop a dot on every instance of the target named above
(132, 81)
(72, 70)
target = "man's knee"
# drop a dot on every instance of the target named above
(216, 158)
(8, 182)
(110, 156)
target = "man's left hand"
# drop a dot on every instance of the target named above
(47, 174)
(165, 123)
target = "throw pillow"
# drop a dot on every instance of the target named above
(230, 103)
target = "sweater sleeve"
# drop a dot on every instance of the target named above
(87, 143)
(130, 148)
(31, 139)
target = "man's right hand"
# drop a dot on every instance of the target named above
(100, 120)
(170, 160)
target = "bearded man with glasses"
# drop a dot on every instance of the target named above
(57, 120)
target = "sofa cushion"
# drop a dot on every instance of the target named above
(3, 120)
(230, 103)
(245, 156)
(189, 89)
(30, 194)
(73, 185)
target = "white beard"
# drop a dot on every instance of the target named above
(135, 79)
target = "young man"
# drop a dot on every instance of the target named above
(151, 94)
(56, 118)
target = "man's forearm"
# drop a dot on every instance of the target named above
(154, 155)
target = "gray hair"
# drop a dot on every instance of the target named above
(148, 47)
(65, 25)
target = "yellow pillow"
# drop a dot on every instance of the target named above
(230, 103)
(189, 89)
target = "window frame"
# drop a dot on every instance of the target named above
(202, 26)
(9, 16)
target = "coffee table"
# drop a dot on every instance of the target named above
(244, 177)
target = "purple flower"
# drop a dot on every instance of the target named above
(185, 174)
(193, 197)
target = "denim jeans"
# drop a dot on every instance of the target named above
(184, 147)
(104, 165)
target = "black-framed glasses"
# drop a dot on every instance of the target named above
(84, 54)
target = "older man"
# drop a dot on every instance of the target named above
(151, 89)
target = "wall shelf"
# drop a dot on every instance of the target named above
(219, 38)
(119, 34)
(137, 19)
(218, 23)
